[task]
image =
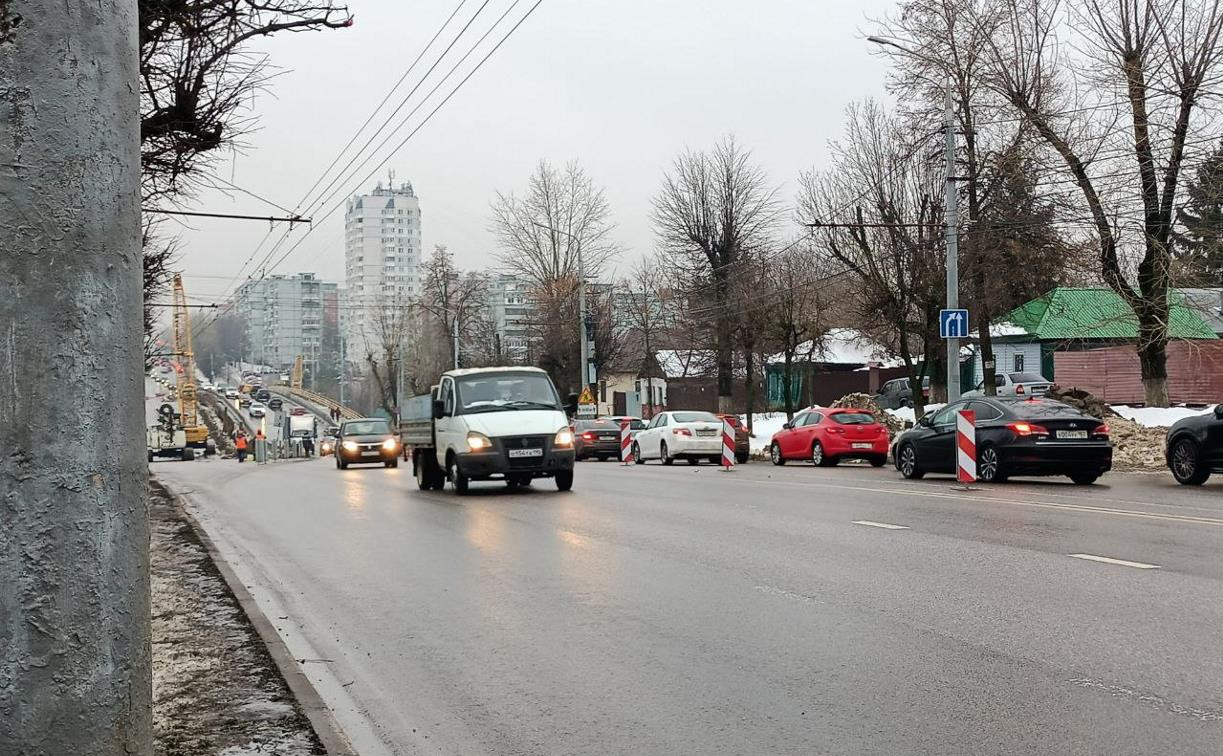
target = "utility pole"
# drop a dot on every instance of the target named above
(343, 367)
(74, 552)
(952, 212)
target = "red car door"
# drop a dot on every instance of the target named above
(790, 439)
(816, 425)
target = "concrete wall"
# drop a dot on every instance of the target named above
(74, 543)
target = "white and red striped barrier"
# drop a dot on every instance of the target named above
(626, 442)
(966, 446)
(728, 444)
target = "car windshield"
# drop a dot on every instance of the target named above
(854, 418)
(1027, 378)
(694, 417)
(366, 428)
(491, 392)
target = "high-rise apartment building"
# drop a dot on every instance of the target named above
(283, 317)
(512, 312)
(382, 258)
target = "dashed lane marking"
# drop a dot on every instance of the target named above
(884, 525)
(1110, 560)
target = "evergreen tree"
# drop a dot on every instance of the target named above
(1199, 240)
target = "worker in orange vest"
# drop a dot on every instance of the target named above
(240, 445)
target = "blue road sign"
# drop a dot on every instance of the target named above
(953, 324)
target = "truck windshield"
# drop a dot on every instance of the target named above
(492, 392)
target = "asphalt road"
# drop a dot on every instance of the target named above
(766, 610)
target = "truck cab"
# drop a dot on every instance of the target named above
(505, 423)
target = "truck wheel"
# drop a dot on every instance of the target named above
(188, 454)
(150, 455)
(564, 480)
(458, 479)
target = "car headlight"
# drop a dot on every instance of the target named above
(390, 444)
(564, 437)
(349, 445)
(478, 441)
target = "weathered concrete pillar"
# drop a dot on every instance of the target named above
(74, 582)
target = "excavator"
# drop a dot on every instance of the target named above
(188, 403)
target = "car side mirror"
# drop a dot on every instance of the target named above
(439, 409)
(1219, 411)
(571, 404)
(787, 426)
(924, 421)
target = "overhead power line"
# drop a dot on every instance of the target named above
(230, 216)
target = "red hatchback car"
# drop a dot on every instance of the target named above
(826, 436)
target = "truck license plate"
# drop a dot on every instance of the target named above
(519, 453)
(862, 446)
(1072, 434)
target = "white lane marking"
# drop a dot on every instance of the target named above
(1110, 560)
(884, 525)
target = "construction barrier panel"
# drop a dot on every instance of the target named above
(966, 446)
(626, 443)
(728, 444)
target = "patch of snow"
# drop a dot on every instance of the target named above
(764, 426)
(1158, 417)
(906, 414)
(842, 346)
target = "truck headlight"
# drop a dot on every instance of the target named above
(390, 444)
(564, 438)
(349, 446)
(478, 441)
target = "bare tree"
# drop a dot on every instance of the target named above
(793, 314)
(648, 310)
(714, 209)
(878, 216)
(453, 300)
(385, 349)
(1162, 57)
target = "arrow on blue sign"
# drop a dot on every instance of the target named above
(953, 324)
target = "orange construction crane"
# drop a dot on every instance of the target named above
(188, 403)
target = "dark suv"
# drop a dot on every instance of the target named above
(368, 440)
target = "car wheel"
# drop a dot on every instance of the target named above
(637, 458)
(662, 454)
(741, 458)
(989, 465)
(602, 457)
(819, 457)
(715, 460)
(879, 460)
(775, 454)
(906, 462)
(564, 480)
(1186, 464)
(1084, 478)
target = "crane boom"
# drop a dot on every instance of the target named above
(188, 403)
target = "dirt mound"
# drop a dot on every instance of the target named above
(867, 402)
(1135, 447)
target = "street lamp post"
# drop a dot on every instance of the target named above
(587, 376)
(951, 201)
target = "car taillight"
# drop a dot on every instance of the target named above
(1027, 429)
(681, 432)
(836, 430)
(1101, 431)
(588, 436)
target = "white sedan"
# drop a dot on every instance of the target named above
(258, 409)
(671, 435)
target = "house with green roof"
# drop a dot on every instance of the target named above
(1076, 318)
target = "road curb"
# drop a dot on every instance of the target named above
(321, 718)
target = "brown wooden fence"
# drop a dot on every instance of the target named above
(1195, 372)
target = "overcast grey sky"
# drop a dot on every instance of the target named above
(621, 87)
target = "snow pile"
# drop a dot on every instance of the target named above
(1158, 417)
(764, 425)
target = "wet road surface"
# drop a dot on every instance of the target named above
(766, 610)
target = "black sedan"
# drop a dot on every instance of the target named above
(596, 438)
(1013, 437)
(1195, 447)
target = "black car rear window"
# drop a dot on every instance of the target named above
(1034, 408)
(853, 418)
(596, 425)
(1027, 378)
